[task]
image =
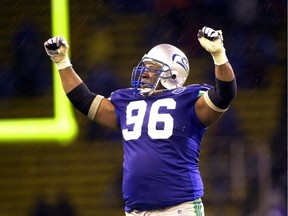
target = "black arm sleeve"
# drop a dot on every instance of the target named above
(223, 93)
(81, 98)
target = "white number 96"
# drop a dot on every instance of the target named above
(140, 108)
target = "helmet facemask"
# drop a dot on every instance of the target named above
(162, 73)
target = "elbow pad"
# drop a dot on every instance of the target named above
(84, 100)
(219, 97)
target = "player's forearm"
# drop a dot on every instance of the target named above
(69, 79)
(224, 72)
(225, 88)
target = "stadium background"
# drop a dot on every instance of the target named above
(243, 159)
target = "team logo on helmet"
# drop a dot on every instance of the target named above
(181, 60)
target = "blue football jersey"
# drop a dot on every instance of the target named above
(161, 138)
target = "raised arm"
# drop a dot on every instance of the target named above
(216, 101)
(95, 107)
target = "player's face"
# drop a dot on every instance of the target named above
(150, 75)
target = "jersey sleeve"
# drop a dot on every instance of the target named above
(203, 88)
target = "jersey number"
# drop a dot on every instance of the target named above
(135, 113)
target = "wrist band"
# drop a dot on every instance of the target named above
(64, 63)
(219, 58)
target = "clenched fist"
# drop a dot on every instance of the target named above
(212, 41)
(57, 49)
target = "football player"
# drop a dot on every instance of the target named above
(161, 120)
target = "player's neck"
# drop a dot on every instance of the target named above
(154, 92)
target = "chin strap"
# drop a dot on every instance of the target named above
(149, 91)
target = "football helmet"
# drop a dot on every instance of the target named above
(172, 73)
